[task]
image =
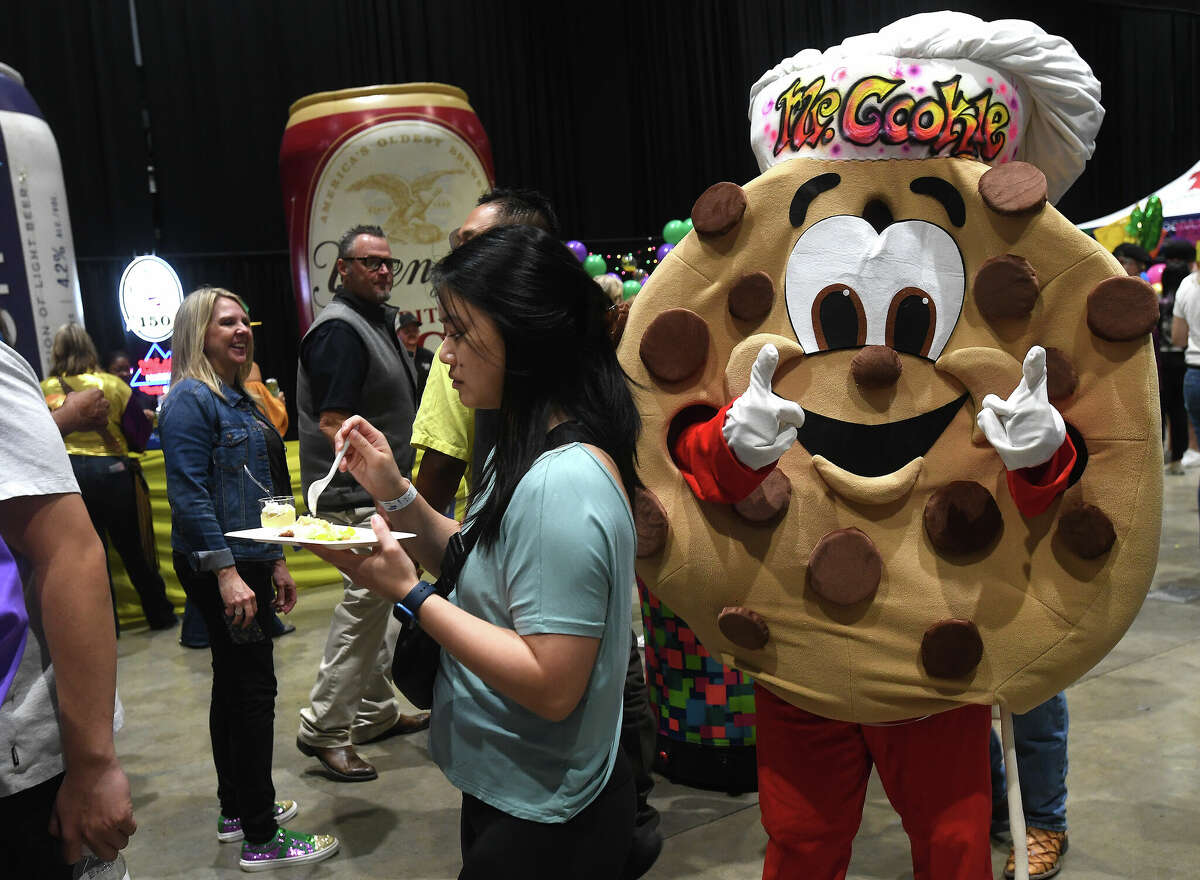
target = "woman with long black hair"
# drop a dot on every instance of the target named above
(527, 703)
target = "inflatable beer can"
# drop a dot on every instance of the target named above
(39, 285)
(409, 158)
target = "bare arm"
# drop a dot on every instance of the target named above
(71, 584)
(369, 460)
(433, 531)
(1179, 332)
(545, 673)
(438, 478)
(82, 411)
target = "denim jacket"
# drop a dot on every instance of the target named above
(206, 442)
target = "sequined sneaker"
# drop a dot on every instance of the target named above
(287, 848)
(230, 830)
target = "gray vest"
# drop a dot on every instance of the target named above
(387, 401)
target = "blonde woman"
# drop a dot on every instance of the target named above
(100, 460)
(215, 439)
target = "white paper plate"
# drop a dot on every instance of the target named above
(363, 538)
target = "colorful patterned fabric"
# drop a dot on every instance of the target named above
(697, 698)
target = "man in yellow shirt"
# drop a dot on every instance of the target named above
(444, 431)
(443, 435)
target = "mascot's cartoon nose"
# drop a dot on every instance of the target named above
(876, 366)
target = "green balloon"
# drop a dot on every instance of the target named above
(674, 231)
(1133, 227)
(594, 265)
(687, 221)
(1151, 224)
(631, 289)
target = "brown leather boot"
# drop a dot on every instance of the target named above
(341, 762)
(405, 724)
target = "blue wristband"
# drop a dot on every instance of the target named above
(416, 597)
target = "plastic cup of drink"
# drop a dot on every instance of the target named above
(277, 511)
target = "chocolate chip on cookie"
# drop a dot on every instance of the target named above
(675, 345)
(719, 209)
(1014, 188)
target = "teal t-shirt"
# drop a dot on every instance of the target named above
(563, 564)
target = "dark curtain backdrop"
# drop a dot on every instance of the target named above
(77, 61)
(622, 111)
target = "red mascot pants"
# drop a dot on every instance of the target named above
(812, 783)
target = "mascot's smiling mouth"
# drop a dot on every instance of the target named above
(875, 450)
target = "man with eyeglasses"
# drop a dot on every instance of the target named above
(352, 363)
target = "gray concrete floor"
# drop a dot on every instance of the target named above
(1134, 803)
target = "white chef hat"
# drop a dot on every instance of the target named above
(934, 84)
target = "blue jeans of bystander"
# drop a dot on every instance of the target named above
(1041, 740)
(1191, 400)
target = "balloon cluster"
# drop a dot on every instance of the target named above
(626, 268)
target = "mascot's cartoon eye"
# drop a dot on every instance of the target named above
(838, 318)
(911, 320)
(848, 284)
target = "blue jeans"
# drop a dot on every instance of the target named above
(194, 632)
(1041, 740)
(1191, 400)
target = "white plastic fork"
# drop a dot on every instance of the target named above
(315, 489)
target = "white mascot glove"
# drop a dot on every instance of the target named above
(1025, 430)
(761, 425)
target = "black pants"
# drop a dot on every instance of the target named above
(241, 715)
(591, 846)
(639, 732)
(29, 849)
(1171, 370)
(106, 484)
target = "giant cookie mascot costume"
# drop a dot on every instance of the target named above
(901, 448)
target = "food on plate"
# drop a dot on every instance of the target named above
(309, 528)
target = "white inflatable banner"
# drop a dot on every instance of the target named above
(39, 285)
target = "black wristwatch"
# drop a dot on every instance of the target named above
(416, 597)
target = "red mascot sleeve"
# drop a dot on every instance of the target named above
(1035, 488)
(709, 465)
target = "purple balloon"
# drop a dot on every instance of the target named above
(663, 249)
(614, 276)
(578, 248)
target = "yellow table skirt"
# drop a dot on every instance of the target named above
(305, 568)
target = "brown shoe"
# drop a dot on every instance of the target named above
(404, 724)
(342, 762)
(1046, 849)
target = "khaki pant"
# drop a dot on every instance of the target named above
(353, 699)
